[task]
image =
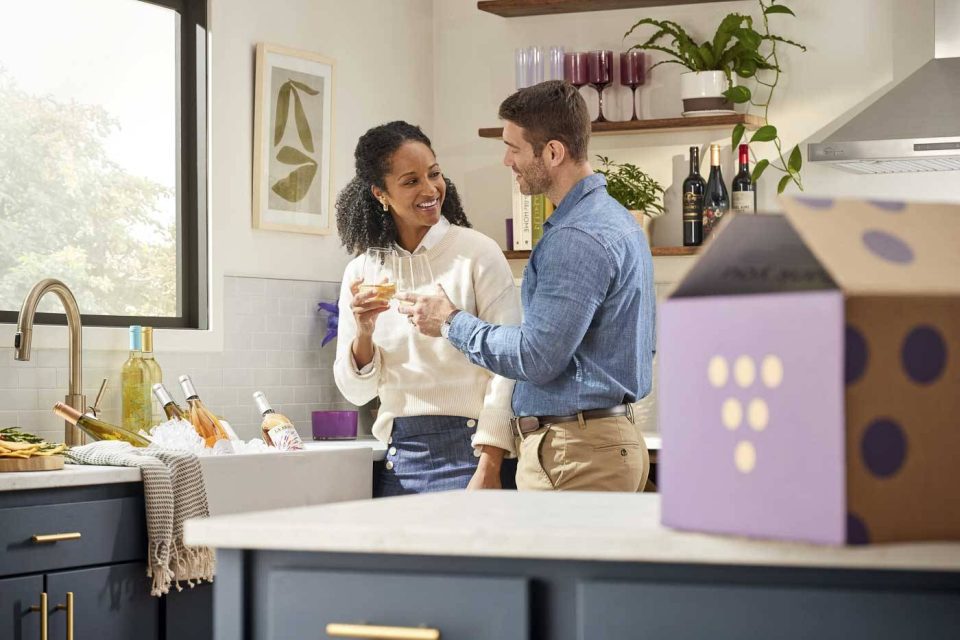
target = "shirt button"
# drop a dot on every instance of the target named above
(393, 451)
(389, 465)
(476, 453)
(471, 423)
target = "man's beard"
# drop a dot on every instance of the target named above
(536, 179)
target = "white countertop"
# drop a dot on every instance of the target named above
(79, 475)
(565, 526)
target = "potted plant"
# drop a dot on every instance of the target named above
(635, 190)
(737, 50)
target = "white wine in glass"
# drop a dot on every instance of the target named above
(380, 273)
(415, 275)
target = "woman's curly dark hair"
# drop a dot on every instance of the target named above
(361, 220)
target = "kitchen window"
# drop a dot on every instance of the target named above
(103, 159)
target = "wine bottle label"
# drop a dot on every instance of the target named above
(742, 202)
(692, 207)
(285, 438)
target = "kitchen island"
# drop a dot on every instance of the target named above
(507, 565)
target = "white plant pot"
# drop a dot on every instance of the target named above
(702, 92)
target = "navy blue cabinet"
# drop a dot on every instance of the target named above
(84, 550)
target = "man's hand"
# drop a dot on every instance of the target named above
(426, 313)
(487, 475)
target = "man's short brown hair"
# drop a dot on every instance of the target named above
(551, 110)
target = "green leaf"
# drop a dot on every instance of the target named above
(737, 135)
(303, 126)
(796, 160)
(779, 8)
(289, 155)
(706, 54)
(759, 169)
(784, 41)
(295, 186)
(784, 181)
(766, 133)
(283, 108)
(305, 88)
(737, 94)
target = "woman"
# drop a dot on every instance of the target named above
(446, 421)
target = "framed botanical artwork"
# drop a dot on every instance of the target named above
(292, 141)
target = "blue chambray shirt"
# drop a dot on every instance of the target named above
(587, 337)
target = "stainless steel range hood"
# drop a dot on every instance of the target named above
(913, 127)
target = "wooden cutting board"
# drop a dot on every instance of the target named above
(36, 463)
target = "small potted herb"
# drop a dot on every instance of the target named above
(635, 190)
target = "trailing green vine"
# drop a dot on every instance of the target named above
(736, 49)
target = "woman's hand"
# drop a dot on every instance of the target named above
(487, 475)
(366, 308)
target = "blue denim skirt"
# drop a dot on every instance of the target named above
(430, 453)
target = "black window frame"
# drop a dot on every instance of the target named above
(192, 276)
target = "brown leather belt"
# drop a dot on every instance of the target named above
(528, 424)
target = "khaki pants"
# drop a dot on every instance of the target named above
(607, 454)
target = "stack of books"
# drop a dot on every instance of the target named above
(529, 214)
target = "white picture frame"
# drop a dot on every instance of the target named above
(293, 141)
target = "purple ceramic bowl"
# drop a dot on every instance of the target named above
(334, 425)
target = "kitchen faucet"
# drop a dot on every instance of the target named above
(21, 343)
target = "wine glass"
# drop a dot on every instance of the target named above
(554, 64)
(576, 68)
(600, 65)
(414, 275)
(632, 74)
(380, 273)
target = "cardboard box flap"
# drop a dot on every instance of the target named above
(877, 247)
(754, 254)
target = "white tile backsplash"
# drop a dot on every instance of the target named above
(272, 335)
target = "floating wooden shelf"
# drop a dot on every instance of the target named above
(518, 8)
(656, 251)
(658, 125)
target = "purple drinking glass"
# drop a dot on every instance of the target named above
(632, 74)
(601, 72)
(576, 68)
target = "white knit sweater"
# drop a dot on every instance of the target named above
(416, 375)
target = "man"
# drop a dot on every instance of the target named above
(584, 350)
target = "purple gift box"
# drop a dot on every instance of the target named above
(334, 425)
(806, 385)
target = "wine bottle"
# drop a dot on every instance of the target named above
(744, 192)
(170, 408)
(135, 390)
(693, 188)
(96, 428)
(276, 428)
(155, 373)
(716, 201)
(202, 419)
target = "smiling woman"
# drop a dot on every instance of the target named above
(447, 422)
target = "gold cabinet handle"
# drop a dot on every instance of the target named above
(372, 632)
(55, 537)
(42, 610)
(69, 609)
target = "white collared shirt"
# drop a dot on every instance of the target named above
(433, 236)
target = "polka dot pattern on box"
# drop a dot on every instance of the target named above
(892, 206)
(883, 447)
(857, 532)
(815, 203)
(887, 247)
(855, 355)
(924, 354)
(757, 412)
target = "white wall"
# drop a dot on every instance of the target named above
(857, 48)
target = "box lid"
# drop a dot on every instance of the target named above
(882, 247)
(753, 254)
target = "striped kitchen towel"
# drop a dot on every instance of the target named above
(174, 491)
